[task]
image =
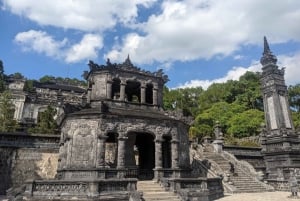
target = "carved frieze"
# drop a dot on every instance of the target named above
(60, 187)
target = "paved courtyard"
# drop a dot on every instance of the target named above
(266, 196)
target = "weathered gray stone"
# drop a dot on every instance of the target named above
(280, 142)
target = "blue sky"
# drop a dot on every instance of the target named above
(196, 42)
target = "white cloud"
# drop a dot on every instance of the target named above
(233, 74)
(86, 49)
(238, 57)
(292, 71)
(40, 42)
(201, 29)
(290, 62)
(43, 43)
(87, 15)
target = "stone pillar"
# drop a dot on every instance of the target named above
(121, 152)
(143, 93)
(155, 95)
(122, 90)
(174, 148)
(101, 151)
(108, 89)
(158, 159)
(158, 153)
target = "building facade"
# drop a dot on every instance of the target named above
(28, 104)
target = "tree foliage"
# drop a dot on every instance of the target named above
(2, 83)
(72, 81)
(246, 123)
(183, 99)
(7, 109)
(46, 123)
(294, 97)
(236, 105)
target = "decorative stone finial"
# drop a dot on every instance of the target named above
(127, 61)
(268, 57)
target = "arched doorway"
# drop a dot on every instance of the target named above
(145, 155)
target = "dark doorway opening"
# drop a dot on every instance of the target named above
(166, 152)
(145, 155)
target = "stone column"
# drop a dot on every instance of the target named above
(143, 93)
(121, 152)
(101, 151)
(108, 89)
(158, 153)
(174, 150)
(158, 159)
(155, 95)
(122, 90)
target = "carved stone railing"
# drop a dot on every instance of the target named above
(131, 105)
(247, 169)
(195, 188)
(173, 172)
(102, 173)
(66, 189)
(24, 140)
(211, 169)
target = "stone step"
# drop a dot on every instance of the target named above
(241, 181)
(154, 192)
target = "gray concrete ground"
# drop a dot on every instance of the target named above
(266, 196)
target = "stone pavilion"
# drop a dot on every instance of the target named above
(123, 135)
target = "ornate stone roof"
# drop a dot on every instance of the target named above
(57, 86)
(268, 57)
(125, 66)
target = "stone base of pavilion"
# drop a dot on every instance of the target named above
(83, 190)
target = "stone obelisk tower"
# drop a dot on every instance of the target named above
(280, 142)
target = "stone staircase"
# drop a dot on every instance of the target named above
(241, 180)
(152, 191)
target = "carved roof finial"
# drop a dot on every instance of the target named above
(268, 57)
(127, 63)
(266, 46)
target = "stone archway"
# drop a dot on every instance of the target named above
(144, 154)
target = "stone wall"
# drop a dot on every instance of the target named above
(250, 154)
(24, 157)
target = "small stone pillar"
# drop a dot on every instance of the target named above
(219, 139)
(143, 93)
(263, 138)
(121, 152)
(109, 89)
(101, 150)
(158, 159)
(122, 90)
(174, 148)
(155, 88)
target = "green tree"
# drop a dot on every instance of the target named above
(184, 99)
(28, 86)
(221, 112)
(7, 109)
(245, 124)
(46, 123)
(294, 97)
(18, 75)
(73, 81)
(249, 91)
(2, 76)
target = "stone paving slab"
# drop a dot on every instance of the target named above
(265, 196)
